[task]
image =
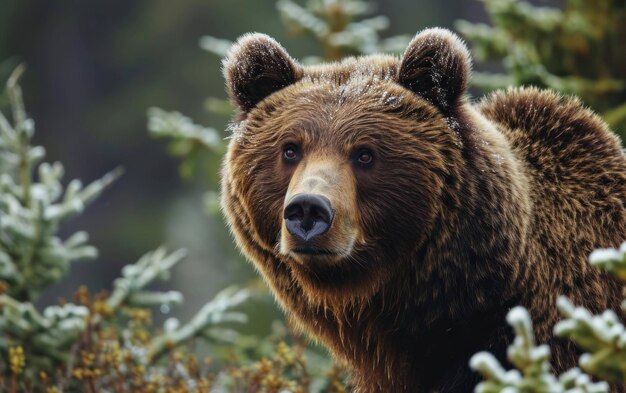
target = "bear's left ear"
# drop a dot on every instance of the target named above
(255, 67)
(436, 66)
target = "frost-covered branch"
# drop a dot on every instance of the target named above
(129, 289)
(52, 332)
(532, 373)
(186, 138)
(204, 323)
(602, 336)
(340, 27)
(176, 125)
(611, 259)
(33, 207)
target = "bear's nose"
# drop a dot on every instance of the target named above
(308, 215)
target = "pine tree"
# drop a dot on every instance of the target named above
(99, 342)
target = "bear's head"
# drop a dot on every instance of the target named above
(338, 173)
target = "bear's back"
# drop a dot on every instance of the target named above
(577, 173)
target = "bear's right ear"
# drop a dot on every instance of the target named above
(436, 66)
(255, 67)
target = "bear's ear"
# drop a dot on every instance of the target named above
(436, 66)
(255, 67)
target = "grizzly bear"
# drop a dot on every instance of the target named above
(398, 223)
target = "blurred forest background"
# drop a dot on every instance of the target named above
(95, 68)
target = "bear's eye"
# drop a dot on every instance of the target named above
(290, 152)
(364, 157)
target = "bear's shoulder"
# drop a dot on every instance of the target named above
(571, 155)
(529, 115)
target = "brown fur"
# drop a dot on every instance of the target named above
(465, 212)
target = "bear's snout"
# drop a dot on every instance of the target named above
(308, 216)
(320, 216)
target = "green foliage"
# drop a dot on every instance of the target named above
(602, 336)
(533, 373)
(579, 50)
(31, 256)
(286, 365)
(188, 140)
(611, 259)
(340, 26)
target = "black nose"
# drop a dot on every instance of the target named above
(308, 216)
